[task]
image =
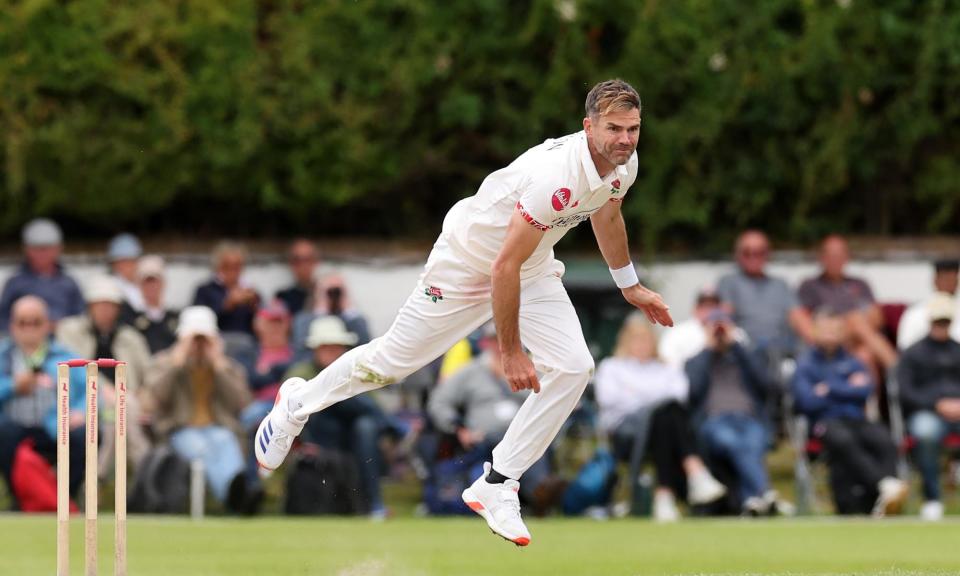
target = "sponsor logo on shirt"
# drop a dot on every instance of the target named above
(434, 293)
(561, 199)
(571, 220)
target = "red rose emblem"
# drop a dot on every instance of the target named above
(561, 199)
(616, 184)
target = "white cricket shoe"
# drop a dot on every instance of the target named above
(893, 494)
(703, 488)
(931, 511)
(499, 504)
(277, 431)
(665, 507)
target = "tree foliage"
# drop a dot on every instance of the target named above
(372, 117)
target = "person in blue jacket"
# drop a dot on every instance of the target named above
(831, 388)
(28, 391)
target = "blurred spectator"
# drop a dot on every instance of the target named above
(123, 253)
(330, 299)
(42, 275)
(28, 393)
(100, 334)
(156, 322)
(273, 353)
(303, 259)
(354, 425)
(199, 394)
(929, 376)
(477, 406)
(688, 338)
(763, 305)
(641, 402)
(265, 369)
(728, 390)
(234, 303)
(456, 358)
(835, 291)
(831, 388)
(915, 322)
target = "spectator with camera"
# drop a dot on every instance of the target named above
(929, 376)
(728, 391)
(330, 298)
(688, 338)
(831, 388)
(199, 394)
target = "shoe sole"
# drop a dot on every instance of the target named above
(262, 469)
(474, 503)
(700, 502)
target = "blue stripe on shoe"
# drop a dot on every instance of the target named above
(263, 445)
(270, 427)
(266, 436)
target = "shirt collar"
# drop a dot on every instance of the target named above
(590, 169)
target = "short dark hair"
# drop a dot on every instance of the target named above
(946, 265)
(611, 95)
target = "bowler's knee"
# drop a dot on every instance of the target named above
(578, 362)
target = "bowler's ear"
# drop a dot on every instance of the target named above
(587, 124)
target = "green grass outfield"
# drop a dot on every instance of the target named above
(357, 547)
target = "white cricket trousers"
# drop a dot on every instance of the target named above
(449, 302)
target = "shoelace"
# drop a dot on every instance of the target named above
(510, 499)
(282, 440)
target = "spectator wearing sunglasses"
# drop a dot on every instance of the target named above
(760, 304)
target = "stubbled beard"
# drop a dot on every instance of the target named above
(610, 157)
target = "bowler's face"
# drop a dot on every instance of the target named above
(614, 135)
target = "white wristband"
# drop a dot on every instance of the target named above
(625, 277)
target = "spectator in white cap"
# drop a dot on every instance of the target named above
(915, 322)
(122, 254)
(100, 334)
(42, 274)
(199, 394)
(156, 322)
(353, 426)
(929, 375)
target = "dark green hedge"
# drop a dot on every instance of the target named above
(364, 117)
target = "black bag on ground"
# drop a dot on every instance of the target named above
(163, 484)
(322, 481)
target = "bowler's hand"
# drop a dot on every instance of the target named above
(519, 372)
(650, 303)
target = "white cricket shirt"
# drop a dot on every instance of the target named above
(555, 185)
